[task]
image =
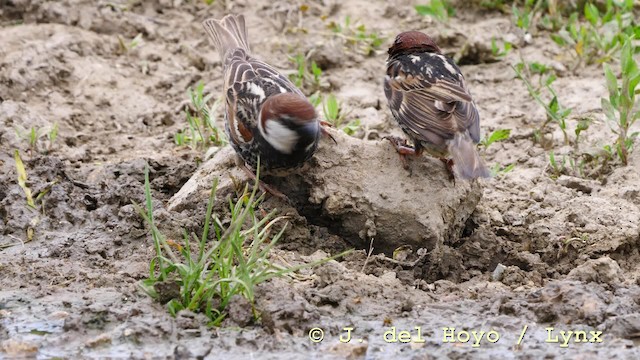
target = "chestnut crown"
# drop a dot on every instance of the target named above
(410, 41)
(293, 107)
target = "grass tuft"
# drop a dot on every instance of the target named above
(620, 108)
(201, 131)
(202, 274)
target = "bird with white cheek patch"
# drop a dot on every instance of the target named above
(428, 97)
(267, 117)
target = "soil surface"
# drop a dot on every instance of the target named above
(539, 255)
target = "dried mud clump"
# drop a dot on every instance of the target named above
(360, 190)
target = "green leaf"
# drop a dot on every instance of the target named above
(612, 82)
(508, 168)
(553, 105)
(592, 14)
(424, 10)
(552, 160)
(174, 306)
(538, 68)
(608, 109)
(437, 9)
(550, 79)
(628, 63)
(331, 108)
(53, 134)
(315, 69)
(582, 126)
(22, 178)
(315, 99)
(352, 127)
(558, 39)
(507, 47)
(565, 112)
(494, 47)
(498, 135)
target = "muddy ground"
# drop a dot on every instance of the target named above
(566, 249)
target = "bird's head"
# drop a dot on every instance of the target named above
(289, 122)
(413, 41)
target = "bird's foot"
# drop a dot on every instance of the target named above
(323, 130)
(403, 149)
(448, 164)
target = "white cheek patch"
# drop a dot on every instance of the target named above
(280, 137)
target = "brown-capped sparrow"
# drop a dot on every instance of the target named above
(428, 97)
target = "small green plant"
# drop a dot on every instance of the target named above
(440, 10)
(204, 273)
(499, 169)
(125, 46)
(597, 38)
(524, 17)
(497, 52)
(35, 136)
(201, 130)
(31, 203)
(555, 112)
(332, 110)
(495, 136)
(620, 108)
(22, 179)
(334, 115)
(315, 99)
(365, 42)
(352, 127)
(52, 135)
(556, 167)
(593, 163)
(583, 125)
(500, 5)
(569, 164)
(308, 75)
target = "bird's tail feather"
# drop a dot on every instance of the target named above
(227, 34)
(466, 160)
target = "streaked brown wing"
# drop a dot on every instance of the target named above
(432, 108)
(242, 105)
(237, 69)
(270, 74)
(238, 130)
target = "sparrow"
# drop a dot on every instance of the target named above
(266, 116)
(428, 97)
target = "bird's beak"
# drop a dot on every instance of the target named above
(309, 130)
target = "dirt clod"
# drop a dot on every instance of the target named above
(420, 208)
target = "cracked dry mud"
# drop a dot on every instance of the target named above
(535, 251)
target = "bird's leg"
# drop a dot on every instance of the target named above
(403, 149)
(264, 187)
(325, 132)
(448, 163)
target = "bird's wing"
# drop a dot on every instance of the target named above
(244, 95)
(431, 99)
